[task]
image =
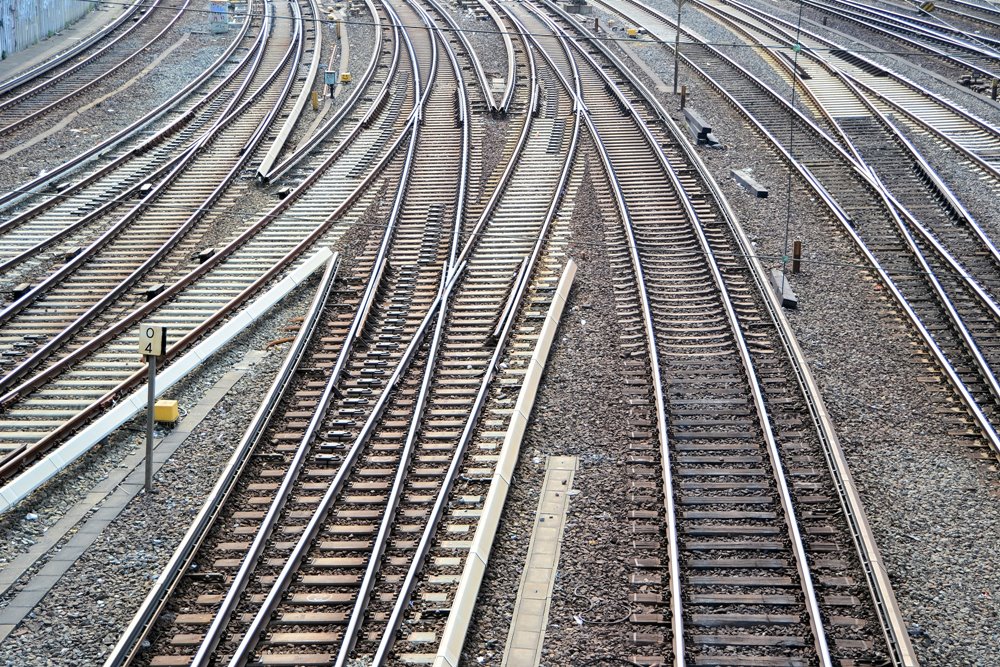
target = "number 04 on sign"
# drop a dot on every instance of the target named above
(152, 340)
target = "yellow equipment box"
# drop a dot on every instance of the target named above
(345, 77)
(166, 411)
(632, 32)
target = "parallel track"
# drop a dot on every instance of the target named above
(210, 290)
(41, 94)
(950, 323)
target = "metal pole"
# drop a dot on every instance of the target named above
(149, 422)
(677, 42)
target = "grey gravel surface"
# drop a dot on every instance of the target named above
(929, 500)
(117, 112)
(112, 578)
(191, 472)
(482, 34)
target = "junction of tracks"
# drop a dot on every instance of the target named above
(502, 333)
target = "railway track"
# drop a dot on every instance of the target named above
(948, 322)
(361, 504)
(27, 100)
(923, 110)
(68, 217)
(749, 520)
(120, 250)
(320, 209)
(417, 242)
(208, 292)
(108, 32)
(959, 55)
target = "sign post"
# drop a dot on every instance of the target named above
(152, 344)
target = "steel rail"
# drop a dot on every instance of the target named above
(60, 58)
(916, 27)
(946, 198)
(971, 5)
(28, 77)
(989, 431)
(216, 629)
(17, 457)
(113, 230)
(436, 513)
(88, 84)
(659, 399)
(362, 311)
(373, 567)
(48, 179)
(254, 631)
(130, 642)
(508, 94)
(159, 175)
(278, 172)
(289, 62)
(875, 25)
(985, 127)
(175, 126)
(208, 264)
(938, 24)
(853, 86)
(477, 68)
(892, 622)
(777, 465)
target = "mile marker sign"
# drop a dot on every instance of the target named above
(152, 340)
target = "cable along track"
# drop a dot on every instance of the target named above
(214, 288)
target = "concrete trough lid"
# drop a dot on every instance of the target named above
(744, 178)
(783, 288)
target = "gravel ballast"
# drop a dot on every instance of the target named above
(927, 494)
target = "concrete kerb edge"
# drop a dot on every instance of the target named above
(457, 626)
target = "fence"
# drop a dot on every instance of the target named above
(24, 22)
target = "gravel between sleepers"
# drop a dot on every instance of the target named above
(929, 497)
(111, 579)
(117, 112)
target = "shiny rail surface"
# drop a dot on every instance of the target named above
(34, 98)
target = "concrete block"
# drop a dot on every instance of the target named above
(744, 178)
(784, 290)
(701, 130)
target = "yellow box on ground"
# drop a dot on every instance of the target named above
(166, 411)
